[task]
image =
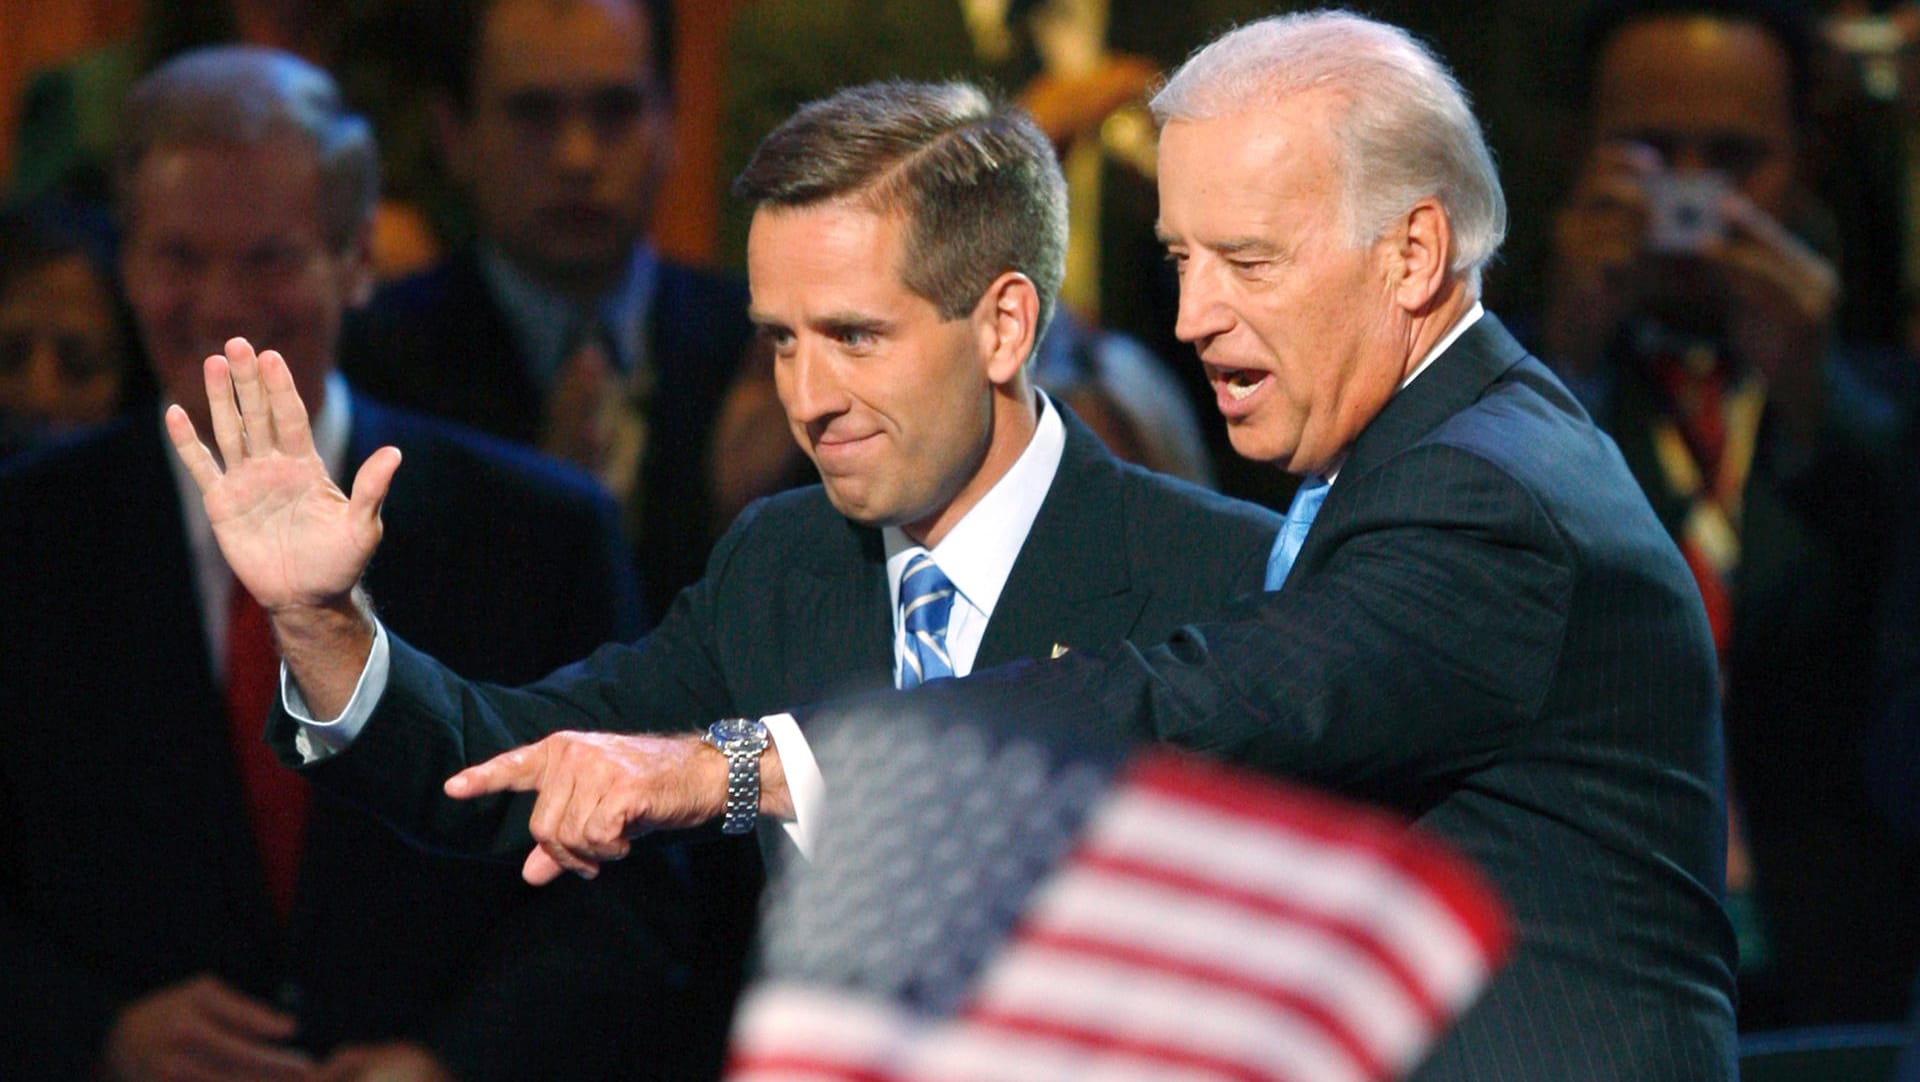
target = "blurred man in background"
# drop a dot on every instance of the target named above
(560, 327)
(1692, 308)
(172, 902)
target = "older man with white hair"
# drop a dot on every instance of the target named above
(1485, 626)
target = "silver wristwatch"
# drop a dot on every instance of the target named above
(741, 740)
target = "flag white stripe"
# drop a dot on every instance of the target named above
(1135, 1004)
(1351, 884)
(793, 1019)
(1265, 950)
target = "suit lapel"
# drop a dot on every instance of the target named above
(196, 752)
(1071, 584)
(503, 396)
(163, 590)
(844, 631)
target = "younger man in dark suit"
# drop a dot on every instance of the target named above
(172, 903)
(560, 327)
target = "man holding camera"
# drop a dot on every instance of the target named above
(1692, 314)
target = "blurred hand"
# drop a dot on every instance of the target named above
(1781, 297)
(597, 790)
(398, 1061)
(202, 1030)
(1597, 237)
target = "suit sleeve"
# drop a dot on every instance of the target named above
(1412, 643)
(431, 723)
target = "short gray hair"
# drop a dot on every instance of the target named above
(977, 180)
(1406, 132)
(244, 96)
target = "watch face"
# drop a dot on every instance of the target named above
(748, 731)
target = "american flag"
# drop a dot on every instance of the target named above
(988, 910)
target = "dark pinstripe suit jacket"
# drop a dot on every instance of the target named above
(1488, 630)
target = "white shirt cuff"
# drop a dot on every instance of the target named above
(317, 740)
(805, 787)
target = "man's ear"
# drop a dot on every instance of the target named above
(1006, 324)
(449, 124)
(1421, 249)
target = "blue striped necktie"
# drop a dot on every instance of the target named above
(926, 600)
(1293, 533)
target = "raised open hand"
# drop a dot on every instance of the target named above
(292, 537)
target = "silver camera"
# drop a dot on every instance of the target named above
(1683, 211)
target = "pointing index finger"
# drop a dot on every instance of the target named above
(514, 771)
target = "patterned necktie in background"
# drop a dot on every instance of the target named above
(597, 417)
(926, 601)
(1293, 532)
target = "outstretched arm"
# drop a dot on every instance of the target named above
(597, 790)
(293, 539)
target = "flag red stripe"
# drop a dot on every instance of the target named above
(744, 1063)
(1290, 1000)
(1278, 909)
(1379, 835)
(1108, 1044)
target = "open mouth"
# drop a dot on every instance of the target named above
(1237, 383)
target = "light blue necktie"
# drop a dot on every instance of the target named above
(1293, 532)
(926, 600)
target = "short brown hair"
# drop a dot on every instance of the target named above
(977, 180)
(244, 96)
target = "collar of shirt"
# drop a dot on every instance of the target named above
(978, 553)
(1453, 335)
(211, 578)
(545, 323)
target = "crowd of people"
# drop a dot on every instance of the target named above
(1185, 396)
